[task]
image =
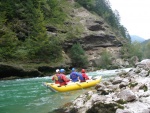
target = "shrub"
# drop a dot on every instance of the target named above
(146, 49)
(78, 57)
(131, 49)
(105, 60)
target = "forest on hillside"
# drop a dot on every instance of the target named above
(24, 25)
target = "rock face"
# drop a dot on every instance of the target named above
(97, 37)
(127, 93)
(8, 71)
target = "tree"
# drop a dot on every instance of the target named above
(105, 60)
(146, 50)
(8, 39)
(78, 56)
(131, 49)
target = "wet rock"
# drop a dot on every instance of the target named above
(127, 95)
(144, 87)
(100, 86)
(123, 84)
(103, 108)
(117, 80)
(146, 110)
(137, 107)
(123, 74)
(105, 91)
(137, 70)
(144, 73)
(113, 88)
(144, 64)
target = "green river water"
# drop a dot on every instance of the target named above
(31, 96)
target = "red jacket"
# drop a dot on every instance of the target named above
(85, 76)
(63, 79)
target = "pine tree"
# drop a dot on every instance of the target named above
(78, 56)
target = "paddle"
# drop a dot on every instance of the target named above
(79, 85)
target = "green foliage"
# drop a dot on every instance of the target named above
(105, 60)
(132, 84)
(131, 49)
(77, 5)
(124, 32)
(78, 57)
(23, 35)
(53, 11)
(46, 51)
(86, 3)
(121, 101)
(74, 31)
(144, 87)
(49, 50)
(146, 50)
(8, 40)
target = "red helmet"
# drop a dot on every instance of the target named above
(83, 70)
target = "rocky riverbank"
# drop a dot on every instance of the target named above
(14, 71)
(129, 92)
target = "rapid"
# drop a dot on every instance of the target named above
(31, 96)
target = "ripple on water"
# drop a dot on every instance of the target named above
(31, 96)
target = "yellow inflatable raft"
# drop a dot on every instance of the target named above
(73, 85)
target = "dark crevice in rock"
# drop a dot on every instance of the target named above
(101, 108)
(17, 72)
(99, 22)
(96, 28)
(54, 30)
(51, 28)
(12, 72)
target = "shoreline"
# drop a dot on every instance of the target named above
(121, 94)
(9, 71)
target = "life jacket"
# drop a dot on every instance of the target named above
(85, 76)
(81, 77)
(74, 75)
(55, 77)
(60, 78)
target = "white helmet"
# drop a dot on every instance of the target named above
(57, 70)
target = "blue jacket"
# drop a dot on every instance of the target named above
(74, 76)
(81, 77)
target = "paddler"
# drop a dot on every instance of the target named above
(62, 78)
(55, 77)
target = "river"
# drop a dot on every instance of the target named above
(31, 96)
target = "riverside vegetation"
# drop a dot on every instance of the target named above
(33, 33)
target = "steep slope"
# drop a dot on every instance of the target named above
(96, 37)
(43, 32)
